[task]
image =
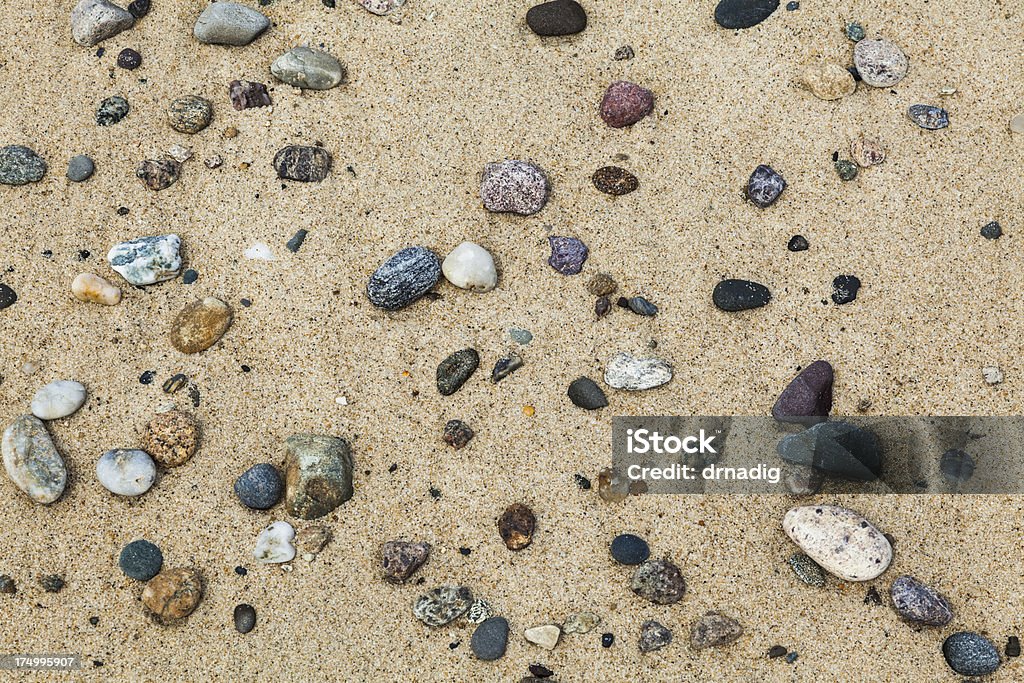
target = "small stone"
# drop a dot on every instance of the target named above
(514, 186)
(312, 540)
(216, 161)
(304, 67)
(602, 284)
(992, 374)
(928, 117)
(836, 449)
(93, 21)
(274, 545)
(7, 585)
(776, 651)
(403, 278)
(379, 7)
(659, 581)
(625, 103)
(173, 594)
(630, 549)
(158, 174)
(457, 434)
(714, 629)
(112, 110)
(867, 151)
(248, 94)
(516, 526)
(51, 583)
(260, 487)
(765, 186)
(318, 474)
(809, 395)
(171, 437)
(557, 18)
(855, 32)
(520, 336)
(919, 603)
(490, 639)
(881, 64)
(840, 540)
(470, 266)
(546, 636)
(304, 164)
(568, 255)
(828, 81)
(540, 671)
(7, 296)
(20, 165)
(735, 14)
(872, 597)
(180, 153)
(636, 374)
(845, 169)
(228, 23)
(146, 260)
(191, 114)
(584, 622)
(401, 559)
(140, 560)
(956, 466)
(607, 639)
(845, 288)
(129, 59)
(807, 570)
(32, 461)
(653, 636)
(480, 611)
(602, 306)
(80, 168)
(59, 398)
(1013, 646)
(740, 295)
(200, 325)
(970, 654)
(126, 471)
(798, 243)
(505, 367)
(259, 251)
(244, 618)
(295, 243)
(585, 393)
(639, 305)
(1017, 124)
(992, 231)
(139, 8)
(623, 53)
(454, 370)
(442, 605)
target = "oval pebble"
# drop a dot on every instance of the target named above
(304, 67)
(244, 618)
(454, 370)
(59, 398)
(840, 540)
(126, 471)
(828, 81)
(140, 560)
(171, 437)
(514, 186)
(32, 461)
(80, 168)
(735, 14)
(625, 103)
(585, 393)
(20, 165)
(928, 117)
(921, 604)
(516, 526)
(970, 654)
(129, 59)
(659, 581)
(714, 629)
(304, 164)
(190, 114)
(881, 64)
(636, 374)
(490, 639)
(629, 549)
(200, 324)
(442, 605)
(260, 487)
(94, 289)
(807, 570)
(740, 295)
(403, 278)
(557, 18)
(229, 23)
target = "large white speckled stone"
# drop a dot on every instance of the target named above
(126, 471)
(636, 374)
(32, 461)
(58, 399)
(470, 266)
(275, 544)
(145, 260)
(840, 540)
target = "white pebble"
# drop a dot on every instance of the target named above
(992, 374)
(546, 636)
(58, 399)
(470, 266)
(275, 544)
(259, 252)
(94, 289)
(1017, 123)
(180, 152)
(840, 540)
(636, 374)
(126, 471)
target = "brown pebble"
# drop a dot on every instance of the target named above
(867, 151)
(200, 324)
(602, 306)
(602, 284)
(173, 594)
(401, 559)
(171, 437)
(457, 434)
(312, 539)
(516, 526)
(158, 174)
(714, 629)
(614, 180)
(230, 132)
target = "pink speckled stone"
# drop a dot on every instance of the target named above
(625, 103)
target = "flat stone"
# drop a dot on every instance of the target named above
(807, 570)
(828, 81)
(126, 471)
(505, 367)
(928, 117)
(956, 466)
(305, 67)
(470, 266)
(312, 540)
(403, 278)
(881, 64)
(992, 230)
(32, 461)
(1017, 124)
(653, 636)
(454, 370)
(200, 324)
(158, 174)
(190, 114)
(845, 288)
(248, 95)
(636, 374)
(318, 474)
(146, 260)
(401, 559)
(8, 297)
(734, 295)
(970, 654)
(836, 449)
(546, 635)
(112, 110)
(173, 594)
(93, 21)
(840, 540)
(638, 305)
(228, 23)
(260, 487)
(765, 186)
(714, 629)
(171, 437)
(568, 254)
(659, 581)
(918, 603)
(140, 560)
(442, 605)
(630, 549)
(244, 617)
(129, 59)
(274, 544)
(735, 14)
(583, 622)
(557, 18)
(516, 526)
(304, 164)
(295, 243)
(457, 434)
(94, 289)
(867, 151)
(80, 168)
(614, 180)
(19, 165)
(808, 396)
(490, 639)
(59, 398)
(514, 186)
(585, 393)
(625, 103)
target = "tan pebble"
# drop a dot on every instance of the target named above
(1017, 123)
(172, 594)
(171, 437)
(312, 540)
(94, 289)
(828, 81)
(230, 132)
(200, 324)
(867, 151)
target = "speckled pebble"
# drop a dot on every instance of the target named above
(807, 570)
(20, 165)
(840, 540)
(765, 186)
(129, 59)
(568, 254)
(140, 560)
(714, 629)
(147, 260)
(401, 559)
(112, 110)
(248, 94)
(928, 117)
(516, 526)
(457, 434)
(304, 164)
(8, 297)
(625, 103)
(845, 288)
(454, 370)
(659, 581)
(921, 604)
(867, 151)
(970, 654)
(260, 487)
(244, 617)
(190, 114)
(881, 64)
(514, 186)
(624, 371)
(653, 636)
(734, 295)
(602, 284)
(171, 437)
(158, 174)
(442, 605)
(403, 278)
(32, 461)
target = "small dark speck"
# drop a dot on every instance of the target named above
(83, 254)
(101, 51)
(791, 657)
(393, 468)
(97, 663)
(452, 646)
(776, 651)
(873, 598)
(246, 302)
(122, 211)
(147, 377)
(48, 253)
(835, 156)
(246, 368)
(94, 620)
(582, 482)
(465, 551)
(241, 571)
(189, 276)
(435, 492)
(351, 170)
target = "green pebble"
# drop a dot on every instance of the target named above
(855, 32)
(846, 169)
(807, 570)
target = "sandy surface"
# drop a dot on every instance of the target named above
(429, 101)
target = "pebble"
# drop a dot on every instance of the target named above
(403, 278)
(855, 32)
(470, 266)
(568, 255)
(607, 639)
(807, 570)
(139, 8)
(867, 151)
(798, 243)
(80, 168)
(244, 618)
(248, 95)
(846, 169)
(546, 635)
(992, 231)
(454, 370)
(583, 622)
(624, 371)
(58, 399)
(557, 18)
(129, 59)
(765, 186)
(52, 583)
(260, 487)
(928, 117)
(714, 629)
(93, 21)
(259, 251)
(140, 560)
(318, 474)
(401, 559)
(602, 284)
(126, 471)
(602, 306)
(180, 153)
(516, 526)
(200, 324)
(304, 67)
(304, 164)
(881, 64)
(146, 260)
(840, 540)
(837, 449)
(735, 14)
(490, 639)
(808, 395)
(659, 581)
(740, 295)
(1017, 124)
(171, 437)
(514, 186)
(19, 165)
(520, 336)
(7, 585)
(630, 549)
(624, 52)
(32, 461)
(158, 174)
(457, 434)
(845, 288)
(274, 544)
(295, 243)
(653, 636)
(442, 605)
(112, 110)
(828, 81)
(228, 23)
(216, 161)
(992, 374)
(970, 654)
(173, 594)
(190, 114)
(1013, 646)
(7, 296)
(312, 540)
(505, 367)
(625, 103)
(380, 7)
(919, 603)
(956, 466)
(585, 393)
(639, 305)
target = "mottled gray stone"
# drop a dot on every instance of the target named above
(318, 474)
(305, 164)
(112, 110)
(442, 605)
(20, 165)
(403, 278)
(93, 21)
(158, 174)
(228, 23)
(921, 604)
(636, 374)
(190, 114)
(145, 260)
(514, 186)
(80, 168)
(304, 67)
(32, 461)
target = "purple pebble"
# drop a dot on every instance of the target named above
(567, 255)
(625, 103)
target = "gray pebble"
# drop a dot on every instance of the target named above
(585, 393)
(245, 618)
(919, 603)
(112, 110)
(403, 278)
(158, 174)
(713, 630)
(20, 165)
(140, 560)
(454, 370)
(659, 581)
(928, 117)
(228, 23)
(970, 654)
(807, 570)
(190, 114)
(80, 168)
(305, 67)
(304, 164)
(295, 243)
(93, 21)
(442, 605)
(259, 487)
(514, 186)
(653, 636)
(639, 305)
(765, 186)
(490, 639)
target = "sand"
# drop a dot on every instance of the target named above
(429, 102)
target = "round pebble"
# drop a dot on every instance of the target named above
(625, 103)
(20, 165)
(740, 295)
(630, 549)
(244, 618)
(470, 266)
(80, 168)
(585, 393)
(490, 639)
(867, 151)
(881, 64)
(129, 59)
(112, 110)
(845, 169)
(602, 284)
(260, 487)
(614, 180)
(855, 32)
(190, 114)
(514, 186)
(171, 437)
(140, 560)
(956, 466)
(126, 471)
(970, 654)
(516, 526)
(59, 398)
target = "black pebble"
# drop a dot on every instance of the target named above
(557, 18)
(490, 639)
(744, 13)
(798, 243)
(845, 288)
(296, 241)
(630, 549)
(873, 598)
(189, 276)
(140, 560)
(585, 393)
(992, 231)
(765, 186)
(241, 571)
(245, 618)
(792, 6)
(329, 4)
(855, 73)
(139, 8)
(582, 482)
(1013, 646)
(129, 59)
(147, 377)
(776, 651)
(122, 211)
(7, 296)
(602, 306)
(607, 639)
(464, 551)
(94, 620)
(246, 302)
(740, 295)
(454, 370)
(541, 671)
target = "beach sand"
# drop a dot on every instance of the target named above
(429, 101)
